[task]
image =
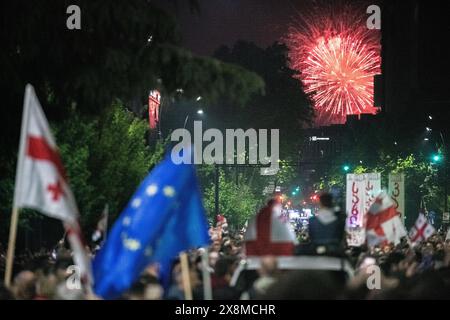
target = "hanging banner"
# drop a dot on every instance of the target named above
(361, 192)
(397, 191)
(154, 100)
(372, 186)
(355, 200)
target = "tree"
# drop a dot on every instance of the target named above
(420, 180)
(106, 160)
(123, 50)
(237, 202)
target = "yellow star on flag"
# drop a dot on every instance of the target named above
(169, 191)
(132, 244)
(151, 190)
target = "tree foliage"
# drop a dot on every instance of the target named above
(421, 180)
(237, 202)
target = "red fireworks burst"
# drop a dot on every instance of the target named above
(337, 57)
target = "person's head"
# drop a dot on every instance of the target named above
(24, 287)
(224, 268)
(152, 270)
(62, 265)
(269, 266)
(136, 292)
(213, 257)
(216, 246)
(326, 200)
(46, 285)
(153, 291)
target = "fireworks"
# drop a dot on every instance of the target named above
(337, 57)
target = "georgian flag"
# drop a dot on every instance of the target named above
(383, 224)
(421, 230)
(268, 234)
(41, 181)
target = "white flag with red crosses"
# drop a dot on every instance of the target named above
(421, 230)
(41, 181)
(268, 234)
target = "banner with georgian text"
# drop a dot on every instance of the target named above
(360, 193)
(397, 192)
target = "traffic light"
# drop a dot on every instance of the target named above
(435, 158)
(346, 168)
(296, 191)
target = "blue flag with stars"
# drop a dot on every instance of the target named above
(164, 217)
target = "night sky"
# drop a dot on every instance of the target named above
(225, 21)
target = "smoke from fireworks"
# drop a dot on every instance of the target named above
(337, 57)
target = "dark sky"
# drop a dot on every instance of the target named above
(225, 21)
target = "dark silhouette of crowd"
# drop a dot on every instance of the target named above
(406, 271)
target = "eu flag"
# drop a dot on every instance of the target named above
(164, 217)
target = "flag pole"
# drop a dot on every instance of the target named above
(106, 224)
(185, 276)
(207, 290)
(11, 246)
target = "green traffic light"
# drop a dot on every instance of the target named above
(436, 158)
(346, 168)
(297, 189)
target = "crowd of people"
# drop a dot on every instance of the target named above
(407, 271)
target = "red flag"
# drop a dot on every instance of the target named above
(41, 182)
(267, 234)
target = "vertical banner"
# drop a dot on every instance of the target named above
(355, 200)
(154, 100)
(360, 193)
(397, 192)
(372, 186)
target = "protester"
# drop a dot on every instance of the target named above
(418, 270)
(268, 273)
(221, 278)
(325, 230)
(24, 286)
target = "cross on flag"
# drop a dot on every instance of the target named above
(267, 234)
(41, 181)
(421, 230)
(383, 223)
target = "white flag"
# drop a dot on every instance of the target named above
(41, 182)
(421, 230)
